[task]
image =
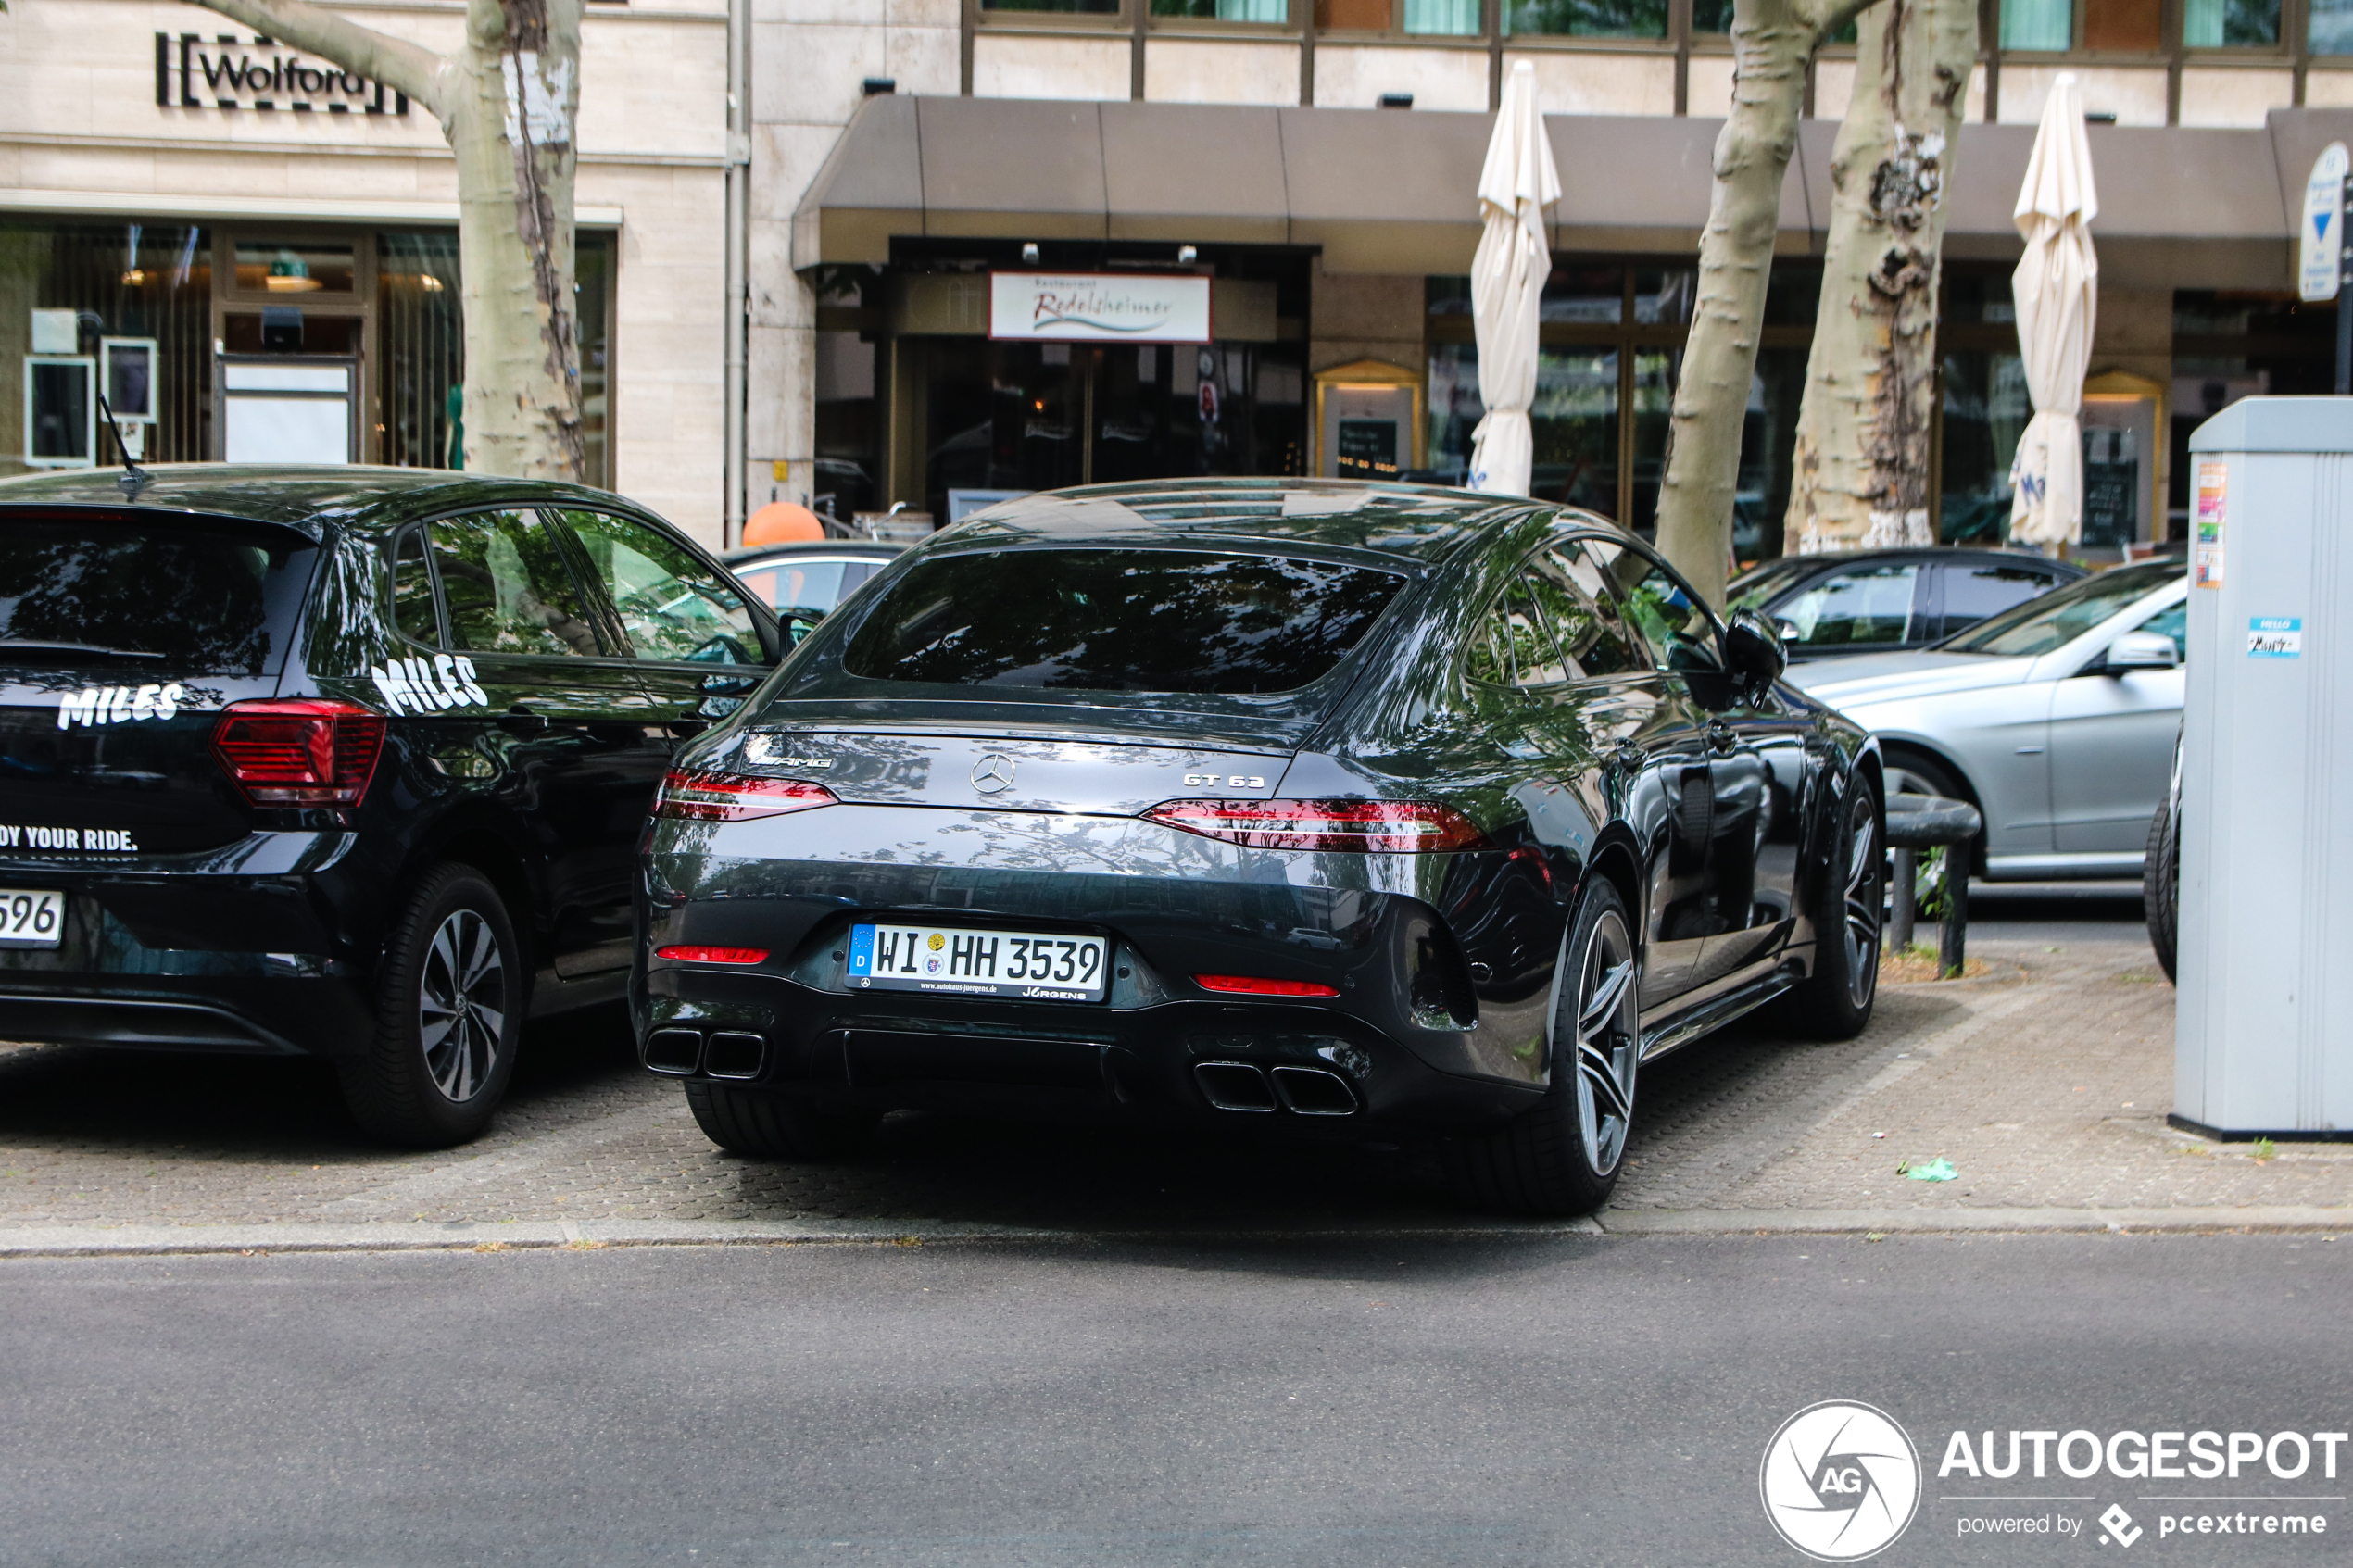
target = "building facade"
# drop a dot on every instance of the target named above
(267, 245)
(1315, 160)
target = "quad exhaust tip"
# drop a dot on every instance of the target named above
(1303, 1091)
(677, 1053)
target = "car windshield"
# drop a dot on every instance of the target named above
(148, 592)
(1751, 591)
(1120, 621)
(2064, 614)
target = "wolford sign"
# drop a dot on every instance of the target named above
(193, 74)
(1098, 307)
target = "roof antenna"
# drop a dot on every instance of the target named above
(133, 478)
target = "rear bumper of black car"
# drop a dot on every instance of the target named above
(1404, 1036)
(1308, 1068)
(234, 950)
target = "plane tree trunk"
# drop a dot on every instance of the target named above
(1861, 472)
(1773, 42)
(508, 100)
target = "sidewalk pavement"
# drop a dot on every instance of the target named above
(2045, 1085)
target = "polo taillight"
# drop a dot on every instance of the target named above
(735, 798)
(300, 751)
(1380, 826)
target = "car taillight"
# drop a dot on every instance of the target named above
(1379, 826)
(712, 955)
(299, 752)
(735, 798)
(1252, 985)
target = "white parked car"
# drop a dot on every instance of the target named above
(2055, 718)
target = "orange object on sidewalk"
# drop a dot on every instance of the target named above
(781, 523)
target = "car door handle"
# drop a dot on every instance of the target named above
(686, 729)
(522, 721)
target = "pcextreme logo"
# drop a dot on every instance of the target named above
(1841, 1481)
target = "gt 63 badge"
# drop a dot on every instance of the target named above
(421, 685)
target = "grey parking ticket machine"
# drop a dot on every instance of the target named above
(2264, 1024)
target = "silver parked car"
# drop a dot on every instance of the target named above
(2056, 717)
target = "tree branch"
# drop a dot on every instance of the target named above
(398, 64)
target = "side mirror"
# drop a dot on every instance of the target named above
(1751, 651)
(2140, 650)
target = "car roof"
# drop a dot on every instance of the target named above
(858, 549)
(296, 496)
(1813, 565)
(1403, 524)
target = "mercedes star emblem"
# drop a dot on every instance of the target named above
(993, 775)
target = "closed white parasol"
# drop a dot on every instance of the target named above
(1508, 284)
(2056, 288)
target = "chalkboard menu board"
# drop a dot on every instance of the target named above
(1367, 449)
(2111, 487)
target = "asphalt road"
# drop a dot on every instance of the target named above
(1511, 1400)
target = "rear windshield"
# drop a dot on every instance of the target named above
(2065, 613)
(1119, 621)
(133, 593)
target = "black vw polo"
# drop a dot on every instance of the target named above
(1370, 808)
(340, 762)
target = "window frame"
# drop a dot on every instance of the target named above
(600, 616)
(584, 568)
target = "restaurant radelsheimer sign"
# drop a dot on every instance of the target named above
(1099, 308)
(193, 72)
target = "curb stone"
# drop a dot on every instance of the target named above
(100, 1241)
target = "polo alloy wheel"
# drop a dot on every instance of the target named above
(461, 1002)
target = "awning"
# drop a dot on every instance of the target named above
(1384, 190)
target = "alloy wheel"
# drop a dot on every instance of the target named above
(1608, 1044)
(1863, 899)
(462, 1002)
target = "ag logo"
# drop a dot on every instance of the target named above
(1841, 1481)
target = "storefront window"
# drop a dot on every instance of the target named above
(1587, 19)
(295, 270)
(1711, 16)
(1063, 7)
(145, 283)
(1040, 416)
(1986, 408)
(1606, 373)
(849, 407)
(421, 349)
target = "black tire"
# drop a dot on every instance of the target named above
(765, 1126)
(1834, 1001)
(450, 997)
(1562, 1157)
(2161, 880)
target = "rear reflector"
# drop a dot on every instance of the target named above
(1407, 827)
(1248, 986)
(735, 798)
(303, 752)
(711, 955)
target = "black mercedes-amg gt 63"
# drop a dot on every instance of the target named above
(1365, 808)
